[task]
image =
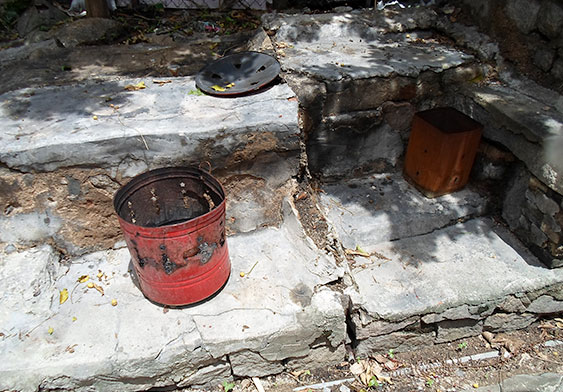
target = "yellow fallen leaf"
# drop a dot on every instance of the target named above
(83, 279)
(135, 87)
(113, 302)
(90, 285)
(230, 85)
(50, 330)
(242, 274)
(63, 296)
(95, 117)
(74, 318)
(218, 88)
(475, 385)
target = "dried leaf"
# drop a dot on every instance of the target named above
(380, 358)
(83, 279)
(357, 252)
(161, 82)
(50, 330)
(218, 88)
(357, 369)
(63, 296)
(99, 288)
(135, 87)
(114, 302)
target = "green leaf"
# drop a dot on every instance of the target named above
(197, 92)
(227, 386)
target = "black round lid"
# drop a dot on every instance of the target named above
(237, 73)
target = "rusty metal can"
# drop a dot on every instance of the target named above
(173, 221)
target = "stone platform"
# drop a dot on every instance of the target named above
(399, 270)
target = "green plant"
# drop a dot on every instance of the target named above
(429, 382)
(461, 346)
(227, 386)
(391, 353)
(373, 382)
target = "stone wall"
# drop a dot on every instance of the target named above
(530, 34)
(535, 213)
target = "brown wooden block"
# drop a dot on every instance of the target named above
(441, 150)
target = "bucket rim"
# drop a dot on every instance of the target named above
(143, 179)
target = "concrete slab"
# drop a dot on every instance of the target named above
(445, 285)
(277, 313)
(360, 45)
(104, 124)
(384, 207)
(468, 263)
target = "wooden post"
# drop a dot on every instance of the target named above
(97, 9)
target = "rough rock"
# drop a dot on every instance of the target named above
(550, 19)
(450, 330)
(397, 341)
(523, 13)
(545, 305)
(250, 364)
(41, 14)
(508, 321)
(88, 31)
(543, 59)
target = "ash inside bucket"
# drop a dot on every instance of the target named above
(169, 201)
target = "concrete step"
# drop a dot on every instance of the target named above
(66, 150)
(359, 77)
(280, 315)
(384, 207)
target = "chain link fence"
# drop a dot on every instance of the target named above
(196, 4)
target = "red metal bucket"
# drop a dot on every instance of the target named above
(173, 220)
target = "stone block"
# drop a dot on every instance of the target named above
(547, 205)
(380, 327)
(397, 341)
(512, 305)
(523, 13)
(515, 198)
(503, 322)
(458, 313)
(545, 304)
(250, 364)
(450, 330)
(543, 58)
(557, 68)
(550, 18)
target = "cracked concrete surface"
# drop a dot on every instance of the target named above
(278, 312)
(424, 271)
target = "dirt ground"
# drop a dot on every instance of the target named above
(426, 369)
